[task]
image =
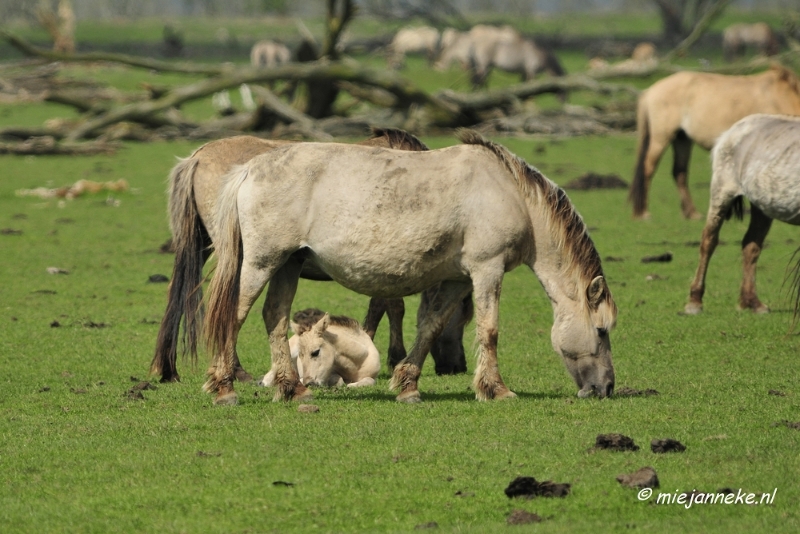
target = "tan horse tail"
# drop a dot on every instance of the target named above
(190, 241)
(223, 293)
(638, 191)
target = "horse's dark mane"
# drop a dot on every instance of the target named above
(399, 139)
(787, 76)
(575, 235)
(305, 319)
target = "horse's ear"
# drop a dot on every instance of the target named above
(322, 324)
(595, 293)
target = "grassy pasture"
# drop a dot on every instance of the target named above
(76, 454)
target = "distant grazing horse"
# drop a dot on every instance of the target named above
(418, 40)
(737, 37)
(758, 158)
(697, 107)
(521, 56)
(269, 54)
(390, 223)
(194, 185)
(330, 351)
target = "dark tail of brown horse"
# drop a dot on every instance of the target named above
(184, 301)
(638, 192)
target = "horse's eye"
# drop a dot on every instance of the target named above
(602, 332)
(315, 353)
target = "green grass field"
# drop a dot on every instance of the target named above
(77, 454)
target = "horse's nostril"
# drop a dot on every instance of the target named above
(610, 389)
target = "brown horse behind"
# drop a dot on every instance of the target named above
(696, 107)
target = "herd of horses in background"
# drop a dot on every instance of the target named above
(389, 218)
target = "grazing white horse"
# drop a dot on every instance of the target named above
(392, 223)
(758, 158)
(269, 53)
(737, 37)
(418, 40)
(330, 351)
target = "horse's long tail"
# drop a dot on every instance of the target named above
(223, 293)
(191, 241)
(638, 191)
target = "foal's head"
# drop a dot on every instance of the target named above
(316, 353)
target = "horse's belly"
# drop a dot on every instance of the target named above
(385, 275)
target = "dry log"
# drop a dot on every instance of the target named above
(304, 124)
(49, 145)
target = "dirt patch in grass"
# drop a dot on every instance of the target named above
(529, 487)
(666, 445)
(592, 180)
(645, 477)
(614, 442)
(522, 517)
(625, 391)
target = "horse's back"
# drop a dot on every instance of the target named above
(762, 152)
(704, 105)
(381, 221)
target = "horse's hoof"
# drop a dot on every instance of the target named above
(303, 396)
(241, 375)
(694, 216)
(227, 399)
(693, 308)
(505, 394)
(644, 216)
(409, 397)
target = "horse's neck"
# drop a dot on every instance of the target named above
(550, 261)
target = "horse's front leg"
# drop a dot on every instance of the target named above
(752, 244)
(708, 243)
(277, 307)
(487, 382)
(440, 308)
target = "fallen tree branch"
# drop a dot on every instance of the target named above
(48, 145)
(146, 63)
(305, 124)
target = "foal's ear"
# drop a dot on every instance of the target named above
(595, 293)
(322, 324)
(293, 326)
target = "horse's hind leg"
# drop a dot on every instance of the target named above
(277, 307)
(395, 310)
(448, 348)
(682, 148)
(441, 306)
(752, 244)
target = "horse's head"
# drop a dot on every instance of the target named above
(581, 336)
(315, 353)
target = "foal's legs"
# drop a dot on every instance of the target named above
(682, 149)
(442, 304)
(277, 307)
(708, 242)
(487, 382)
(752, 244)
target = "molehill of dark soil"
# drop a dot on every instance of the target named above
(592, 180)
(667, 445)
(615, 442)
(529, 488)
